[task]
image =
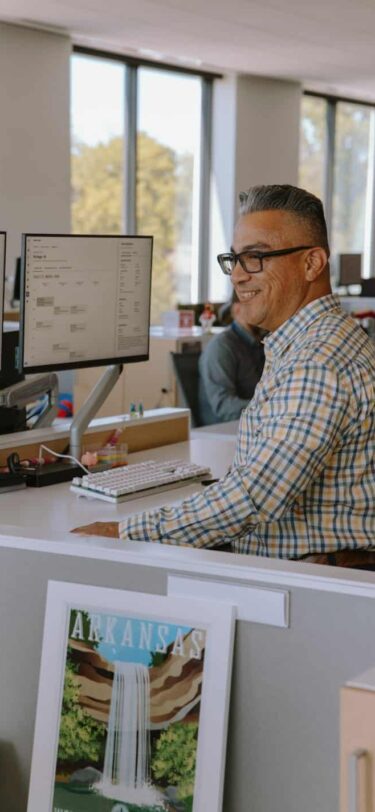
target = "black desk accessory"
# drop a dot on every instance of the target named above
(11, 482)
(36, 476)
(51, 474)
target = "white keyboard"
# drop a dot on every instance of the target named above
(138, 479)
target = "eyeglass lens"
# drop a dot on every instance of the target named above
(249, 263)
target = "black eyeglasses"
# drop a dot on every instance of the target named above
(252, 261)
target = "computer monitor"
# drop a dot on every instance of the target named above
(349, 269)
(85, 301)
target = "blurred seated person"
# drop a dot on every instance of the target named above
(230, 367)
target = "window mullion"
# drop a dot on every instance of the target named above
(329, 161)
(369, 241)
(130, 151)
(204, 190)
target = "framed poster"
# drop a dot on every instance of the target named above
(132, 704)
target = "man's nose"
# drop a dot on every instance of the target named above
(238, 273)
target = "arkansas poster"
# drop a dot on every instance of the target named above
(129, 717)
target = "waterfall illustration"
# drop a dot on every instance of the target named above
(126, 772)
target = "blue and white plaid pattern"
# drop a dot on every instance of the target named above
(303, 476)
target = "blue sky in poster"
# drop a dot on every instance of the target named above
(131, 639)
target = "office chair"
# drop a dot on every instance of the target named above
(368, 287)
(185, 366)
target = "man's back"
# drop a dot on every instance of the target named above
(229, 369)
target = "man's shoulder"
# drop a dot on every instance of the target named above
(219, 341)
(336, 340)
(216, 347)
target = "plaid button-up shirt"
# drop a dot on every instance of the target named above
(303, 476)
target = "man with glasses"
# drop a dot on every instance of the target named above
(302, 484)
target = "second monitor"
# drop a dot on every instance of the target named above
(85, 300)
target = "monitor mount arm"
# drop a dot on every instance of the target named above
(90, 407)
(20, 394)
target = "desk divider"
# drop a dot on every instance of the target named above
(140, 435)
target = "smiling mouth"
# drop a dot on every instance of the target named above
(246, 295)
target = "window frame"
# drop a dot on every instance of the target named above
(132, 64)
(328, 172)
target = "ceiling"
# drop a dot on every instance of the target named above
(326, 44)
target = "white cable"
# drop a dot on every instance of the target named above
(65, 456)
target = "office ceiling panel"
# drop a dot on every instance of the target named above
(328, 44)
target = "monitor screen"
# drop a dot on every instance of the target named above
(16, 284)
(85, 300)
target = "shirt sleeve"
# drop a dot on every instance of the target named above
(293, 437)
(218, 366)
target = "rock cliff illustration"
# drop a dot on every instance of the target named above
(129, 718)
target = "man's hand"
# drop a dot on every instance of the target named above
(107, 529)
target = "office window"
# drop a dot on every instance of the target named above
(312, 144)
(137, 164)
(337, 162)
(97, 153)
(168, 165)
(350, 177)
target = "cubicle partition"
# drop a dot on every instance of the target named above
(303, 630)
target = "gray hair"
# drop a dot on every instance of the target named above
(302, 204)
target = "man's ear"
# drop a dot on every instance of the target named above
(316, 262)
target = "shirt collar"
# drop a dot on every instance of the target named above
(278, 342)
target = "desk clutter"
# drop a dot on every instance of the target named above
(31, 457)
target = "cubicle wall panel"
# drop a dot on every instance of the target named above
(283, 744)
(23, 586)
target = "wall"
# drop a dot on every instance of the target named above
(256, 125)
(34, 134)
(267, 142)
(283, 742)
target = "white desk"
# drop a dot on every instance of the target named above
(283, 747)
(43, 517)
(228, 429)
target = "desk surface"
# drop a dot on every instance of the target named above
(285, 681)
(229, 429)
(48, 514)
(40, 520)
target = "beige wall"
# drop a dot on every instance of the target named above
(255, 140)
(34, 134)
(267, 138)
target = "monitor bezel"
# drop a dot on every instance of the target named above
(121, 360)
(2, 300)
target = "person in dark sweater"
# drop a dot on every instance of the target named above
(230, 367)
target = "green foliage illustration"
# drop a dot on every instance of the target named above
(81, 737)
(157, 658)
(174, 757)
